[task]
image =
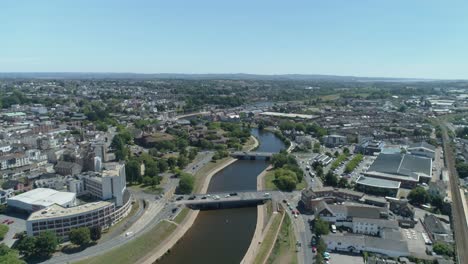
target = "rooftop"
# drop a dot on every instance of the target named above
(402, 164)
(44, 197)
(377, 182)
(59, 211)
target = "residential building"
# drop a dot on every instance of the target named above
(68, 168)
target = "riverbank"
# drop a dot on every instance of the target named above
(187, 223)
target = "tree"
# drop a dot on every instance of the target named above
(186, 183)
(319, 171)
(27, 246)
(343, 183)
(418, 195)
(331, 179)
(171, 163)
(9, 256)
(321, 227)
(151, 168)
(80, 236)
(319, 259)
(285, 180)
(182, 161)
(346, 150)
(462, 169)
(443, 249)
(133, 171)
(321, 246)
(46, 243)
(95, 233)
(316, 147)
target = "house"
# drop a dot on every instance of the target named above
(422, 149)
(437, 230)
(14, 185)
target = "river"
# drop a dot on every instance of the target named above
(223, 236)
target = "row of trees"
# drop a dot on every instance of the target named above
(352, 164)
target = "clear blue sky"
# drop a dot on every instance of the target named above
(390, 38)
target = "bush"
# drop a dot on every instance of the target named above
(443, 249)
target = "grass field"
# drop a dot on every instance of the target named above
(269, 240)
(284, 250)
(181, 215)
(270, 182)
(133, 251)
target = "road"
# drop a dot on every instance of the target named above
(458, 215)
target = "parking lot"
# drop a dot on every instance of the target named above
(18, 226)
(414, 238)
(348, 259)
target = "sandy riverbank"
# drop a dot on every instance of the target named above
(191, 216)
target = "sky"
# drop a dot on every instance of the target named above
(374, 38)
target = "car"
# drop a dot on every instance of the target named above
(128, 234)
(295, 216)
(192, 197)
(314, 249)
(227, 196)
(179, 198)
(284, 201)
(233, 194)
(174, 210)
(204, 197)
(4, 221)
(10, 222)
(266, 194)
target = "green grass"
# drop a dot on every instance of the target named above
(136, 249)
(3, 231)
(269, 181)
(181, 215)
(284, 250)
(268, 240)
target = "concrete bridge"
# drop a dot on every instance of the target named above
(225, 200)
(252, 155)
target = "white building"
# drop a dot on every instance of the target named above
(106, 185)
(14, 161)
(40, 198)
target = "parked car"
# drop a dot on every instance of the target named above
(192, 197)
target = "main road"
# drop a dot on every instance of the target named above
(458, 214)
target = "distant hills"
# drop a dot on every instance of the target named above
(234, 76)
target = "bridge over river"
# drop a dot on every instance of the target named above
(252, 155)
(226, 200)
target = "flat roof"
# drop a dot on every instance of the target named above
(290, 115)
(377, 182)
(44, 197)
(55, 211)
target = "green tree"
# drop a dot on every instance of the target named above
(151, 168)
(285, 180)
(443, 249)
(182, 161)
(331, 179)
(27, 246)
(9, 256)
(462, 169)
(95, 233)
(319, 259)
(321, 246)
(133, 171)
(186, 183)
(46, 243)
(321, 227)
(80, 236)
(343, 183)
(171, 162)
(418, 195)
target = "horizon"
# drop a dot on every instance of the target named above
(397, 39)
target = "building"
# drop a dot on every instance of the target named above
(105, 185)
(5, 194)
(67, 168)
(437, 230)
(61, 220)
(407, 169)
(422, 149)
(334, 140)
(353, 243)
(370, 147)
(14, 160)
(311, 196)
(377, 186)
(40, 198)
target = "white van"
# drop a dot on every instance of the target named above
(333, 228)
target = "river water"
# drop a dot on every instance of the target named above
(223, 236)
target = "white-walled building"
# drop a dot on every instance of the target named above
(40, 198)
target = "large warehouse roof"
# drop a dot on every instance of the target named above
(44, 197)
(402, 164)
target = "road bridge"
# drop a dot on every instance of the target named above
(252, 155)
(225, 200)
